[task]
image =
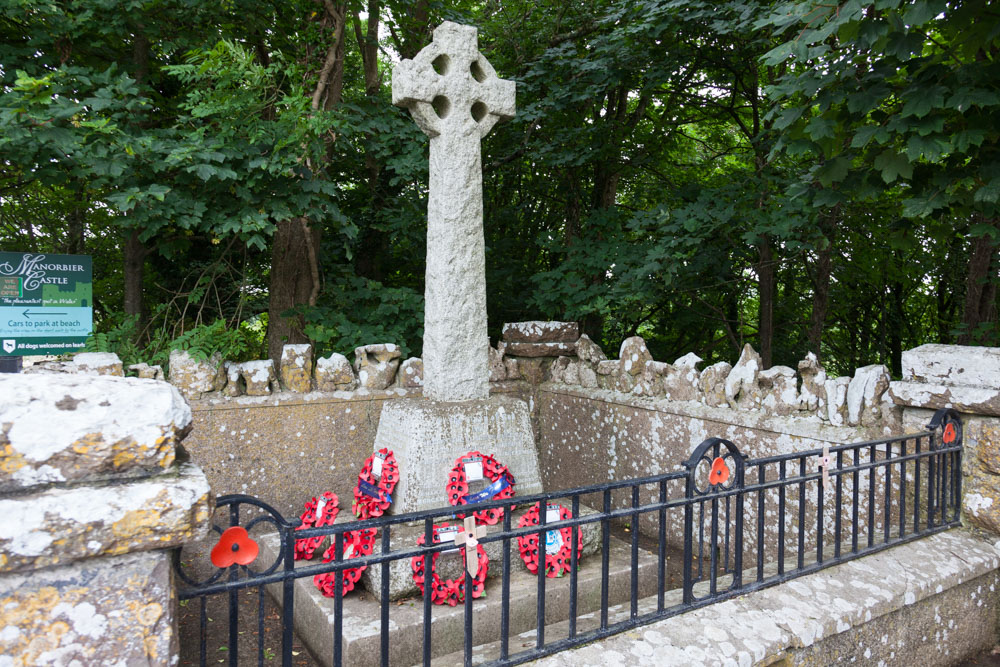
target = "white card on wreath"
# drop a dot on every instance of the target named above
(377, 462)
(448, 535)
(473, 470)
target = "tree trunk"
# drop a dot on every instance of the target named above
(135, 263)
(980, 288)
(765, 308)
(294, 282)
(821, 285)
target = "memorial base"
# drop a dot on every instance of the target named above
(428, 436)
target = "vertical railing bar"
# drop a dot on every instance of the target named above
(260, 626)
(701, 540)
(887, 519)
(686, 567)
(931, 480)
(943, 463)
(428, 560)
(802, 513)
(713, 548)
(781, 517)
(574, 564)
(287, 596)
(467, 644)
(505, 591)
(661, 549)
(902, 488)
(543, 561)
(338, 601)
(605, 557)
(855, 509)
(203, 633)
(871, 496)
(956, 482)
(820, 518)
(234, 608)
(760, 523)
(917, 449)
(725, 556)
(634, 574)
(384, 646)
(838, 505)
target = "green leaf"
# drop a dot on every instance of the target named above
(833, 171)
(989, 193)
(863, 135)
(893, 165)
(922, 11)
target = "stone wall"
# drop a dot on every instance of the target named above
(92, 493)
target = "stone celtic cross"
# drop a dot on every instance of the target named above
(455, 97)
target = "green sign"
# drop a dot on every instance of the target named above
(45, 303)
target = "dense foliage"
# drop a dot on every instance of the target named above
(797, 175)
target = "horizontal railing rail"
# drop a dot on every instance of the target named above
(740, 524)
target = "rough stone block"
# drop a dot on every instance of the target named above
(62, 427)
(681, 381)
(110, 611)
(836, 400)
(427, 437)
(411, 373)
(334, 373)
(971, 400)
(650, 383)
(779, 390)
(588, 378)
(147, 372)
(812, 395)
(194, 378)
(498, 371)
(62, 525)
(588, 350)
(713, 384)
(864, 395)
(558, 368)
(512, 368)
(259, 377)
(540, 349)
(742, 389)
(571, 372)
(953, 365)
(633, 356)
(296, 368)
(541, 332)
(234, 382)
(376, 365)
(532, 371)
(98, 363)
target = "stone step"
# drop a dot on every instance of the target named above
(314, 616)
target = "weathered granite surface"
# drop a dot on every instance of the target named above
(63, 427)
(98, 363)
(541, 332)
(455, 97)
(61, 525)
(297, 367)
(519, 349)
(109, 611)
(376, 365)
(195, 378)
(334, 373)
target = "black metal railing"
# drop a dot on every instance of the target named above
(741, 525)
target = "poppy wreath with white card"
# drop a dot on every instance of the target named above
(357, 543)
(449, 591)
(558, 542)
(474, 466)
(319, 511)
(376, 482)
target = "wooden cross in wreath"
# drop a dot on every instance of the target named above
(469, 537)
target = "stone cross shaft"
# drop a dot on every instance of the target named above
(455, 97)
(469, 538)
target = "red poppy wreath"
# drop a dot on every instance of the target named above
(501, 485)
(449, 591)
(321, 511)
(558, 547)
(376, 482)
(357, 543)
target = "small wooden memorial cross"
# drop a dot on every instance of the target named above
(469, 537)
(824, 464)
(455, 97)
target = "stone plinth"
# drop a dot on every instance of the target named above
(428, 436)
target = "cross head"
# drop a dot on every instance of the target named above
(469, 536)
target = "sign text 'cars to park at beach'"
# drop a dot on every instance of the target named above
(45, 303)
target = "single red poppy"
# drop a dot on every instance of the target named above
(720, 472)
(949, 434)
(235, 546)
